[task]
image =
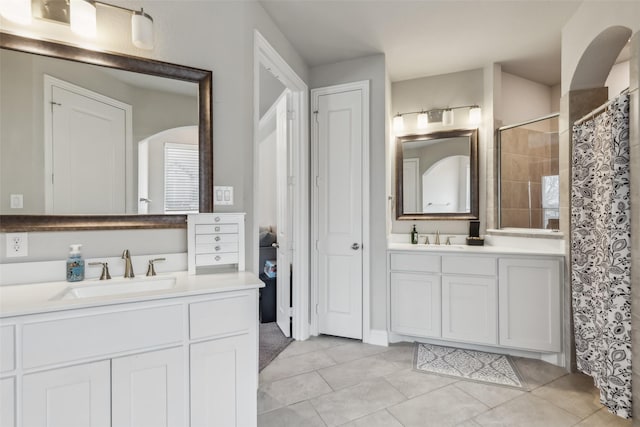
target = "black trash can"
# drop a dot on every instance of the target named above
(268, 299)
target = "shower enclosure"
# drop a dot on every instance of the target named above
(528, 187)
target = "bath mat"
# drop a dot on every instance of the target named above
(272, 342)
(472, 365)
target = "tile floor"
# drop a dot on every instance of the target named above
(329, 381)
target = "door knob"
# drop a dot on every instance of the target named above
(355, 246)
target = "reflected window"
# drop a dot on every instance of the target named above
(528, 191)
(181, 178)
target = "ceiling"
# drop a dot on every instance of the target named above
(429, 37)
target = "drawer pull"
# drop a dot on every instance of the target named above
(217, 248)
(217, 228)
(217, 219)
(218, 258)
(217, 239)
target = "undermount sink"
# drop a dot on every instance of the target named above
(443, 247)
(125, 286)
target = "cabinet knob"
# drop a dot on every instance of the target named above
(217, 239)
(217, 228)
(217, 219)
(217, 258)
(217, 248)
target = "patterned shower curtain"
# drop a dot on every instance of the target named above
(600, 252)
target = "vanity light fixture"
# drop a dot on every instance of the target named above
(80, 15)
(18, 11)
(435, 115)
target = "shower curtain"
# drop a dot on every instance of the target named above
(600, 253)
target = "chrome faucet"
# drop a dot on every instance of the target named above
(128, 268)
(437, 242)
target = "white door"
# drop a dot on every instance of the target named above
(340, 138)
(78, 396)
(88, 144)
(410, 185)
(283, 291)
(148, 389)
(223, 376)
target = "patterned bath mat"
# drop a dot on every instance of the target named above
(473, 365)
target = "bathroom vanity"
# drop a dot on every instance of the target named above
(180, 353)
(488, 297)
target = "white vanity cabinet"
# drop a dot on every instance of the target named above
(530, 296)
(179, 361)
(492, 299)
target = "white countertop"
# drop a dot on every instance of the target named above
(17, 300)
(464, 249)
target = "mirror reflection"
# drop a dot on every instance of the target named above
(82, 139)
(436, 175)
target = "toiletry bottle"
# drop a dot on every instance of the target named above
(75, 264)
(414, 235)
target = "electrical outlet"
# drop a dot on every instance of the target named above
(17, 245)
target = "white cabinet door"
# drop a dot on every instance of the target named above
(530, 304)
(469, 309)
(415, 304)
(78, 396)
(148, 389)
(8, 402)
(223, 383)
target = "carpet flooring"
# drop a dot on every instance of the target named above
(468, 364)
(272, 342)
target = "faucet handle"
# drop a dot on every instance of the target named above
(449, 240)
(105, 270)
(151, 270)
(437, 242)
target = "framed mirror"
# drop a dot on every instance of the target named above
(86, 133)
(437, 175)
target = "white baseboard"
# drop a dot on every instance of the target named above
(378, 337)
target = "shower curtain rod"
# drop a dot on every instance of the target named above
(598, 110)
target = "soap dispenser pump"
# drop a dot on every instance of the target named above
(414, 235)
(75, 264)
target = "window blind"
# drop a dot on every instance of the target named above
(181, 187)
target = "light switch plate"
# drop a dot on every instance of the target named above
(222, 195)
(16, 201)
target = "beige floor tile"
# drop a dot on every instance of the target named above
(267, 402)
(468, 423)
(447, 406)
(296, 389)
(298, 415)
(490, 395)
(378, 419)
(355, 402)
(295, 365)
(536, 372)
(320, 342)
(604, 418)
(400, 353)
(354, 350)
(356, 371)
(574, 393)
(527, 411)
(412, 383)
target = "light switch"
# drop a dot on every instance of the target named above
(16, 201)
(223, 195)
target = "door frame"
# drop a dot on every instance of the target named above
(264, 54)
(48, 83)
(364, 86)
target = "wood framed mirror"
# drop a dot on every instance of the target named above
(147, 73)
(437, 176)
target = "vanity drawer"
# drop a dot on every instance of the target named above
(415, 262)
(220, 316)
(99, 335)
(216, 228)
(206, 239)
(216, 248)
(7, 348)
(217, 259)
(483, 266)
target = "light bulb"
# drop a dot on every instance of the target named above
(423, 120)
(83, 18)
(398, 124)
(447, 118)
(18, 11)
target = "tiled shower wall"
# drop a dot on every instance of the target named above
(527, 154)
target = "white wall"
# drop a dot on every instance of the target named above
(455, 89)
(618, 79)
(523, 99)
(267, 196)
(370, 68)
(217, 36)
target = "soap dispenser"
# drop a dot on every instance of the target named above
(414, 235)
(75, 264)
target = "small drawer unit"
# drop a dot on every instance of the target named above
(215, 240)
